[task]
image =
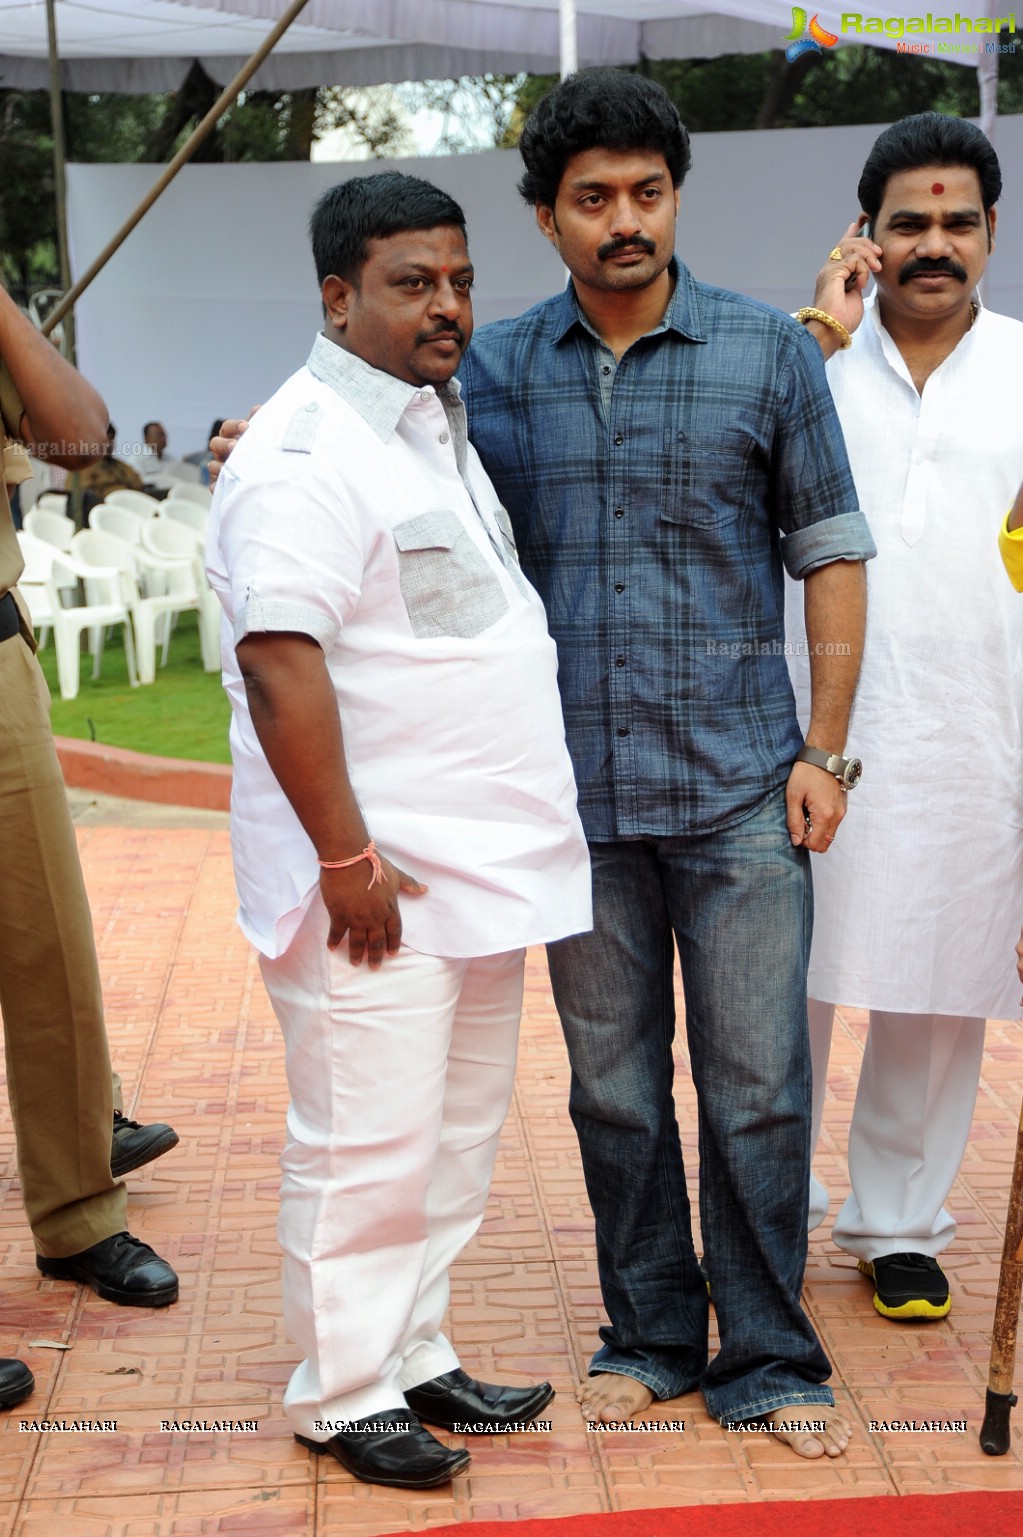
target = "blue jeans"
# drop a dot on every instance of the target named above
(740, 907)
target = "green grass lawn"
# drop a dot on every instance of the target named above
(184, 714)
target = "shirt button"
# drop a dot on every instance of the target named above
(619, 440)
(623, 730)
(606, 368)
(426, 394)
(443, 437)
(619, 512)
(619, 586)
(312, 406)
(619, 661)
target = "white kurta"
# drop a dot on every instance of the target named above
(920, 900)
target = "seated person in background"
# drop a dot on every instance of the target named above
(157, 464)
(109, 474)
(154, 436)
(201, 456)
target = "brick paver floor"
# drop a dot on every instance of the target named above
(193, 1036)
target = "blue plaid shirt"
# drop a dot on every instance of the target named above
(654, 503)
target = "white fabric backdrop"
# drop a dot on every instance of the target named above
(212, 301)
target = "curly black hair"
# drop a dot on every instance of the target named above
(599, 109)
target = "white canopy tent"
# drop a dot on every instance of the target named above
(138, 45)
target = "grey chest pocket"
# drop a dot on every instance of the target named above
(446, 583)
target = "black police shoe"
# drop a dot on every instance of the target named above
(119, 1269)
(132, 1145)
(392, 1448)
(16, 1383)
(458, 1402)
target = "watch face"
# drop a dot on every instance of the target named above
(853, 773)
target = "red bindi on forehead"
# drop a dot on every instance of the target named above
(938, 188)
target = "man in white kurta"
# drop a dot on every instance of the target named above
(356, 541)
(917, 906)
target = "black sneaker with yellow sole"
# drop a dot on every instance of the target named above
(908, 1286)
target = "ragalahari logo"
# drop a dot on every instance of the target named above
(799, 44)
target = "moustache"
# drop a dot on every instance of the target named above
(621, 243)
(442, 333)
(921, 268)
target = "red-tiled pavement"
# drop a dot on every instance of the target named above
(194, 1038)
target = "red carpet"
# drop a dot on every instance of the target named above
(911, 1515)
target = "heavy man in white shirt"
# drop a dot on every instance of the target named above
(917, 902)
(396, 733)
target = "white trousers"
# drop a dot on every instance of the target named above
(400, 1080)
(909, 1129)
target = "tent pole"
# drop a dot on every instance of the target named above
(184, 154)
(569, 38)
(987, 82)
(59, 161)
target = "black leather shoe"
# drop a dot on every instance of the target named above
(392, 1448)
(119, 1269)
(132, 1145)
(458, 1402)
(16, 1383)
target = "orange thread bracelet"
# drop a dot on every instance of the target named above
(370, 853)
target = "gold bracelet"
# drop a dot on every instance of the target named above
(809, 313)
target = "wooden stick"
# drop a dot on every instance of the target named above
(1000, 1399)
(184, 154)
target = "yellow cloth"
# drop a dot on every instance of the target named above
(1010, 546)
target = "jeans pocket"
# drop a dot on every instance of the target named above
(447, 585)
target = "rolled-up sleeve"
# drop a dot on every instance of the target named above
(815, 501)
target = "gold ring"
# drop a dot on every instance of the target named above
(835, 255)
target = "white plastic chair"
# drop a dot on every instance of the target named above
(182, 491)
(168, 539)
(181, 471)
(52, 501)
(100, 551)
(105, 605)
(136, 501)
(188, 513)
(157, 480)
(122, 522)
(34, 580)
(51, 527)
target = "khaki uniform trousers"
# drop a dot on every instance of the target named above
(58, 1064)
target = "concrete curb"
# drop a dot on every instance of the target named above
(142, 777)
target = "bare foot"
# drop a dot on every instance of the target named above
(812, 1430)
(610, 1397)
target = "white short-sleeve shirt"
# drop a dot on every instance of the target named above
(355, 512)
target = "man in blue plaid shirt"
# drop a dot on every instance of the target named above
(664, 449)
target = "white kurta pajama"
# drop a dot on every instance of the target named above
(354, 512)
(919, 900)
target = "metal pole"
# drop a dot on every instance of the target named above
(59, 188)
(987, 81)
(184, 154)
(569, 38)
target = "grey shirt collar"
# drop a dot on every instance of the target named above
(381, 399)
